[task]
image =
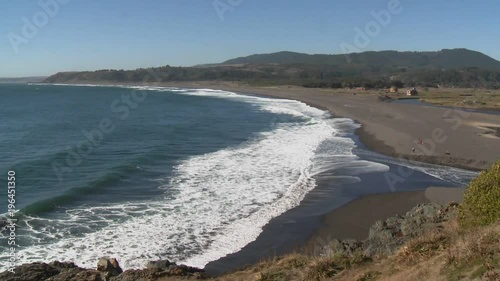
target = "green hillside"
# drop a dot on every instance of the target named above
(448, 68)
(444, 59)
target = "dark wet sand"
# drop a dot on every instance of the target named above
(389, 129)
(353, 220)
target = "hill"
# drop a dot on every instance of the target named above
(449, 68)
(444, 59)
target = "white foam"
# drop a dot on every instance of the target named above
(217, 203)
(220, 200)
(453, 175)
(450, 174)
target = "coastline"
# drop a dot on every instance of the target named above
(353, 218)
(325, 222)
(445, 136)
(394, 129)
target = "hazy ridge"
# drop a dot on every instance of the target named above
(449, 68)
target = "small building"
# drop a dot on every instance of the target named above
(393, 90)
(412, 92)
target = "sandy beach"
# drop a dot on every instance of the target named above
(354, 219)
(447, 136)
(443, 136)
(439, 135)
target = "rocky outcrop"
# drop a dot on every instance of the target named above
(158, 269)
(54, 271)
(386, 237)
(108, 269)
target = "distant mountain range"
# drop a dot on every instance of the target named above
(444, 59)
(455, 67)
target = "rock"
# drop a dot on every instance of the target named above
(109, 266)
(161, 264)
(408, 227)
(68, 271)
(393, 221)
(160, 269)
(184, 270)
(331, 249)
(55, 271)
(351, 246)
(78, 274)
(108, 269)
(386, 237)
(346, 247)
(30, 272)
(370, 251)
(140, 275)
(427, 211)
(63, 265)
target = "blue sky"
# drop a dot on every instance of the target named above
(126, 34)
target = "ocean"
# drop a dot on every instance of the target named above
(147, 173)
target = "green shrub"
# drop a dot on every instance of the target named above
(481, 205)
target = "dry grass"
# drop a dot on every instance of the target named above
(454, 97)
(473, 98)
(369, 276)
(327, 267)
(289, 267)
(422, 248)
(446, 253)
(298, 267)
(475, 253)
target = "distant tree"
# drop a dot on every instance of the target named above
(335, 85)
(367, 84)
(347, 84)
(397, 84)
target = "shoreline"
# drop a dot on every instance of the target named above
(442, 136)
(393, 129)
(334, 224)
(325, 221)
(354, 219)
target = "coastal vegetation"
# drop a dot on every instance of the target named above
(481, 204)
(473, 98)
(451, 97)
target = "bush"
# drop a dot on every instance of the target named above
(481, 205)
